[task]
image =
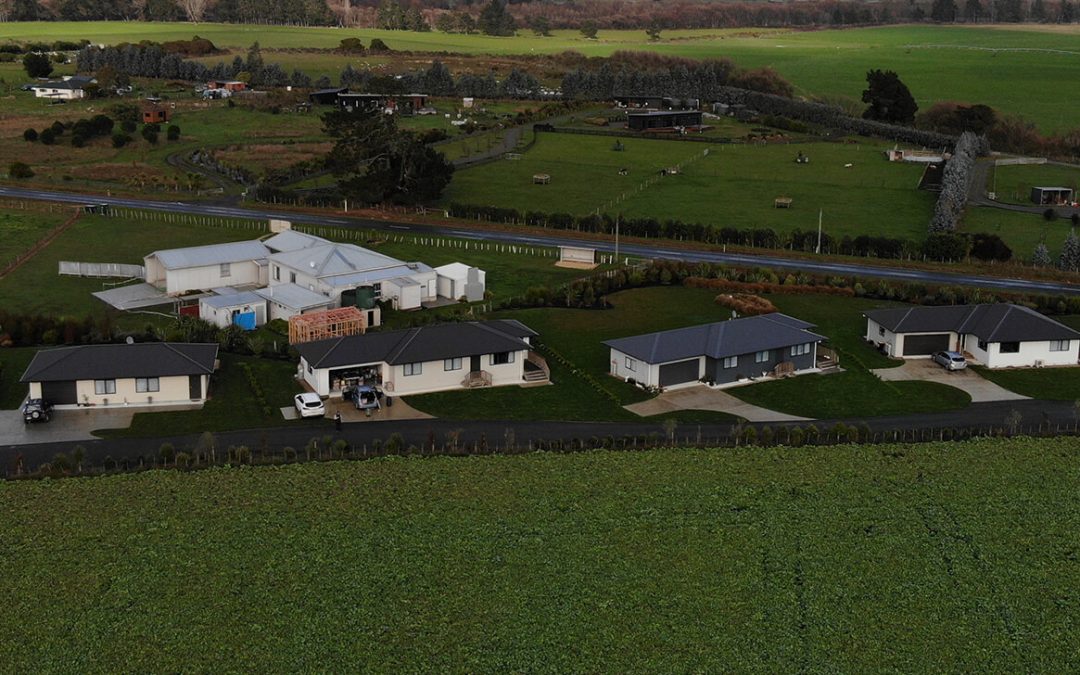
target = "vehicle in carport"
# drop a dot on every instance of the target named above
(950, 360)
(36, 410)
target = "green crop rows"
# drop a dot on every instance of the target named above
(958, 557)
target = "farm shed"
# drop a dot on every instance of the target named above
(995, 335)
(155, 115)
(724, 352)
(245, 309)
(331, 323)
(326, 96)
(662, 119)
(458, 280)
(136, 374)
(1051, 196)
(180, 270)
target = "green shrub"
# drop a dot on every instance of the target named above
(30, 135)
(119, 140)
(20, 170)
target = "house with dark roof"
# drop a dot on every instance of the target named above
(995, 335)
(139, 374)
(68, 88)
(725, 352)
(437, 357)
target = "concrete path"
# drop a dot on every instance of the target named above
(701, 397)
(399, 410)
(979, 388)
(65, 425)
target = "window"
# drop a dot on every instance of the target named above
(146, 384)
(1010, 348)
(502, 358)
(761, 357)
(277, 273)
(1059, 345)
(104, 386)
(292, 277)
(452, 364)
(731, 361)
(630, 364)
(983, 345)
(881, 331)
(376, 291)
(226, 270)
(799, 350)
(412, 369)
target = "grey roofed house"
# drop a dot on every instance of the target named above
(73, 82)
(329, 259)
(213, 254)
(417, 345)
(291, 240)
(989, 322)
(718, 340)
(116, 361)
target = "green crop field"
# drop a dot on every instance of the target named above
(1019, 70)
(735, 185)
(957, 557)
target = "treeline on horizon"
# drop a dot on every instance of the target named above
(539, 16)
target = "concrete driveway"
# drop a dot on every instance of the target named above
(979, 388)
(700, 397)
(65, 425)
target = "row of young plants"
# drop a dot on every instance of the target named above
(942, 247)
(579, 373)
(256, 389)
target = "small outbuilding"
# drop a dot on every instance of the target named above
(246, 309)
(655, 120)
(1052, 196)
(155, 115)
(458, 280)
(577, 257)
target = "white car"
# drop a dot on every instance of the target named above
(309, 404)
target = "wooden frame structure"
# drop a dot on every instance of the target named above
(328, 324)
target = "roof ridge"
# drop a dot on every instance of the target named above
(172, 347)
(993, 331)
(403, 344)
(337, 343)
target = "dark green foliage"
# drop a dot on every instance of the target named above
(944, 10)
(125, 113)
(30, 135)
(589, 30)
(20, 170)
(378, 45)
(1049, 214)
(119, 140)
(173, 132)
(47, 136)
(150, 133)
(351, 46)
(945, 246)
(37, 65)
(990, 247)
(495, 19)
(889, 98)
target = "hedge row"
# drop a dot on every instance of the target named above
(956, 182)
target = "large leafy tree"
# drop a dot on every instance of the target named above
(889, 98)
(37, 65)
(374, 161)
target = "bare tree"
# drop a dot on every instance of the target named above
(6, 7)
(194, 9)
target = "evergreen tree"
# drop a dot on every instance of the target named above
(37, 65)
(1070, 253)
(495, 20)
(1041, 256)
(589, 29)
(540, 26)
(943, 10)
(889, 98)
(972, 11)
(254, 62)
(1038, 10)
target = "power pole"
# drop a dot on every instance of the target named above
(818, 249)
(617, 218)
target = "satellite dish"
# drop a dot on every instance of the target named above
(130, 340)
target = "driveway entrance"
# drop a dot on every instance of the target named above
(979, 388)
(701, 397)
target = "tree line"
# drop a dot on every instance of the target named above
(503, 17)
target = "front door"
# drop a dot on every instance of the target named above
(474, 364)
(195, 387)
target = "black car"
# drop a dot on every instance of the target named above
(36, 410)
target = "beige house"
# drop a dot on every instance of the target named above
(138, 374)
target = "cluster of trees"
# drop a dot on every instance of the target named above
(953, 247)
(637, 73)
(1008, 133)
(376, 162)
(437, 80)
(394, 16)
(956, 182)
(152, 60)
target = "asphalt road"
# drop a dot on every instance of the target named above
(605, 245)
(1036, 417)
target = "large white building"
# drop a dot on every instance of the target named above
(994, 335)
(182, 270)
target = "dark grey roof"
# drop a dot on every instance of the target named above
(718, 340)
(331, 90)
(107, 362)
(414, 345)
(999, 322)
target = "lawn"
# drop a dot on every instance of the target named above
(1056, 384)
(1028, 65)
(21, 229)
(955, 557)
(577, 335)
(233, 403)
(1013, 183)
(1021, 231)
(13, 363)
(734, 185)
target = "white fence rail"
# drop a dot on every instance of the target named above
(120, 270)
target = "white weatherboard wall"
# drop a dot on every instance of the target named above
(434, 376)
(877, 334)
(1030, 353)
(173, 389)
(222, 316)
(209, 276)
(640, 371)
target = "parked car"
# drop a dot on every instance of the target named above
(309, 404)
(950, 360)
(365, 397)
(36, 410)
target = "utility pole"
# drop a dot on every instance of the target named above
(818, 249)
(617, 219)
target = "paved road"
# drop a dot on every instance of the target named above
(978, 416)
(606, 245)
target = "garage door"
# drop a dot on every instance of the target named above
(59, 393)
(678, 372)
(922, 345)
